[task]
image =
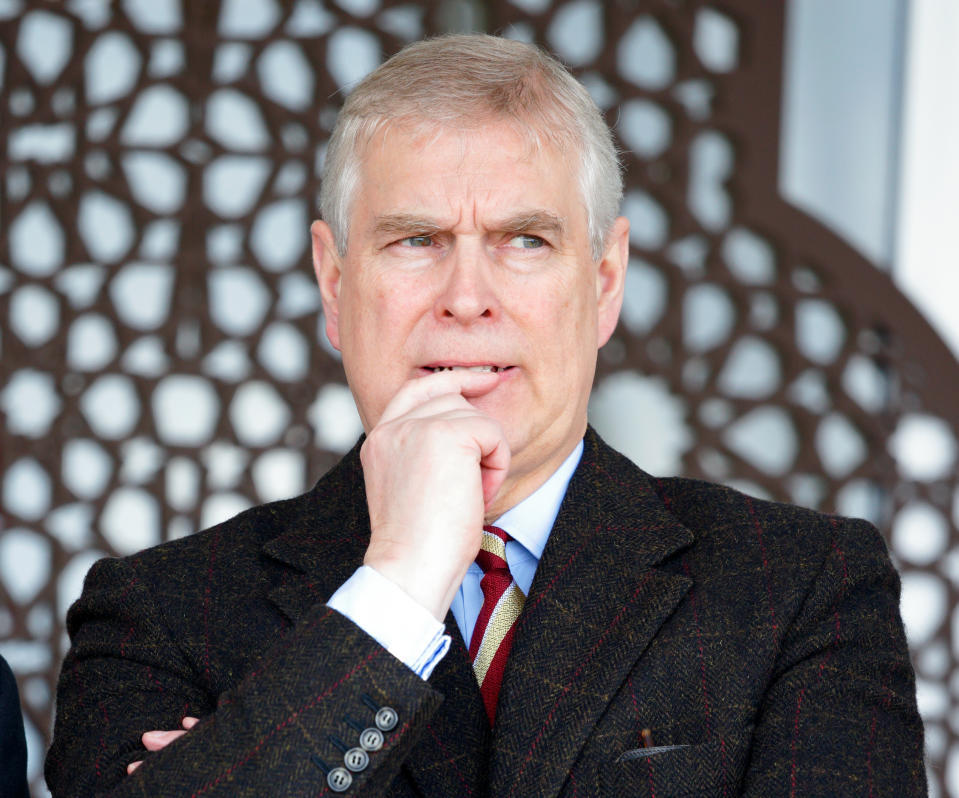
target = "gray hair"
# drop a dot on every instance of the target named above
(470, 78)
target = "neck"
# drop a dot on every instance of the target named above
(518, 487)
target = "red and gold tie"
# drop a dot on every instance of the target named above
(502, 604)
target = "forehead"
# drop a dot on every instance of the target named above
(479, 167)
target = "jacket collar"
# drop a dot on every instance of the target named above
(325, 542)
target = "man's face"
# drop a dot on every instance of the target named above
(470, 248)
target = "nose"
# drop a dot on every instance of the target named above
(468, 292)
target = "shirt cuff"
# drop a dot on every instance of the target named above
(389, 615)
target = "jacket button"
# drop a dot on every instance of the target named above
(339, 779)
(356, 759)
(386, 718)
(371, 739)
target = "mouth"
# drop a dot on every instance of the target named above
(488, 368)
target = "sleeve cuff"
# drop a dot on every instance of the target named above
(390, 616)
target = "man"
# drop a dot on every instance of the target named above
(673, 638)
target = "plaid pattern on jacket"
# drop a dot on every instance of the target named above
(761, 645)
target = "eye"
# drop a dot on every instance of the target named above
(525, 241)
(417, 241)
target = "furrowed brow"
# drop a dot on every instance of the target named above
(535, 222)
(404, 224)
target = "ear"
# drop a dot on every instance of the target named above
(328, 268)
(611, 279)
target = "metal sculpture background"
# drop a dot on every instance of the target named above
(162, 361)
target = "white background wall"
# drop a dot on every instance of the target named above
(926, 258)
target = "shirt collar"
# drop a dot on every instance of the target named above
(530, 522)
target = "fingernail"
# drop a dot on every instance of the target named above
(133, 766)
(189, 723)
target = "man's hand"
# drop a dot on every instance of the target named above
(155, 740)
(432, 465)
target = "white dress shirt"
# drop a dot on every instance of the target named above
(407, 629)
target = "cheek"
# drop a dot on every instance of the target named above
(393, 313)
(577, 317)
(560, 315)
(371, 308)
(385, 328)
(396, 294)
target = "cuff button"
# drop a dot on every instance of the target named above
(371, 739)
(339, 779)
(386, 719)
(356, 759)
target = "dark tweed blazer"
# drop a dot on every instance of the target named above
(760, 643)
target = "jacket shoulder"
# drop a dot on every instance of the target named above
(238, 538)
(241, 539)
(722, 515)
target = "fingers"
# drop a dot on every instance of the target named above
(443, 397)
(431, 465)
(416, 392)
(480, 433)
(158, 739)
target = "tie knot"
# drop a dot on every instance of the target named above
(492, 553)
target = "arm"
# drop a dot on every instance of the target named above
(839, 716)
(430, 467)
(125, 675)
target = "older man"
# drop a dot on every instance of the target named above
(483, 598)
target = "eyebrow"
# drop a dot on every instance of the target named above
(404, 223)
(535, 221)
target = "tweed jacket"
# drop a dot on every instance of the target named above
(761, 645)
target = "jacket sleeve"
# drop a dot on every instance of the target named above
(840, 716)
(276, 732)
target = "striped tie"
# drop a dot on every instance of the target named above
(502, 603)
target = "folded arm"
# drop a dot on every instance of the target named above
(125, 675)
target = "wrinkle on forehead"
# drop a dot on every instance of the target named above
(477, 180)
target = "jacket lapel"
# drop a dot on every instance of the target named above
(324, 544)
(596, 602)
